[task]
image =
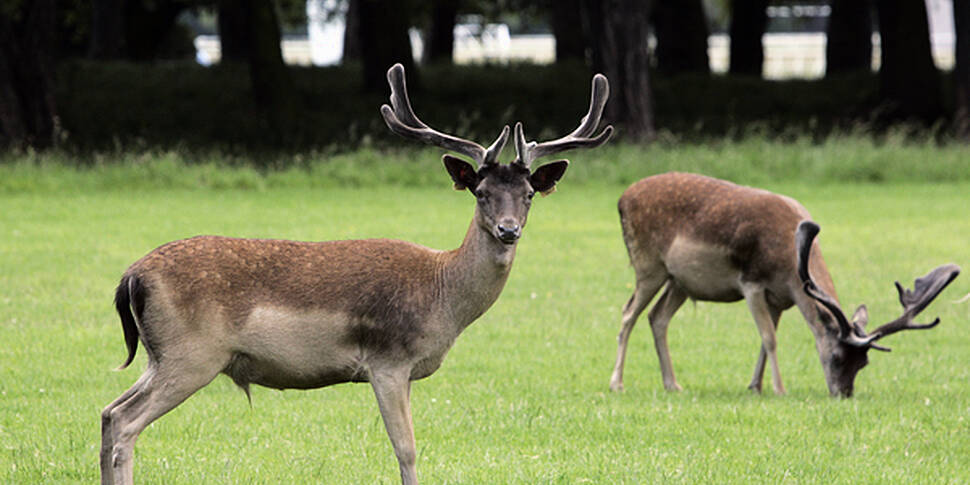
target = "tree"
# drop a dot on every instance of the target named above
(848, 45)
(440, 46)
(149, 25)
(136, 30)
(27, 111)
(384, 41)
(909, 83)
(351, 32)
(273, 88)
(748, 21)
(107, 30)
(233, 31)
(567, 27)
(681, 30)
(961, 72)
(618, 32)
(249, 31)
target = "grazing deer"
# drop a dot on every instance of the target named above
(286, 314)
(712, 240)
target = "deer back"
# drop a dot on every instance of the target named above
(383, 287)
(750, 230)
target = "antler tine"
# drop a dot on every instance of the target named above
(597, 101)
(523, 149)
(925, 290)
(804, 236)
(402, 120)
(495, 149)
(581, 137)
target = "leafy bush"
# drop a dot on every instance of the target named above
(178, 104)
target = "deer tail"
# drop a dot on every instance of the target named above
(130, 302)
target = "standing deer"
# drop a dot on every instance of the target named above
(303, 315)
(712, 240)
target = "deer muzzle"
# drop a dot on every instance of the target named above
(508, 232)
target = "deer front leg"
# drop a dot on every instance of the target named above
(393, 391)
(764, 318)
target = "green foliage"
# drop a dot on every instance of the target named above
(522, 397)
(173, 105)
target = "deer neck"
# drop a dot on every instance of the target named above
(474, 274)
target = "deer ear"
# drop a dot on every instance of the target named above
(861, 317)
(544, 179)
(462, 173)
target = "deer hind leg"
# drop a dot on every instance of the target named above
(759, 367)
(108, 431)
(159, 390)
(644, 292)
(661, 313)
(393, 391)
(764, 318)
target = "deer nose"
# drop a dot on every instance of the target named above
(509, 232)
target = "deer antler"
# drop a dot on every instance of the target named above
(925, 290)
(914, 301)
(804, 235)
(402, 120)
(581, 137)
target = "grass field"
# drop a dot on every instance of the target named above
(522, 397)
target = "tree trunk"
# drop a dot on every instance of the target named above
(273, 88)
(961, 72)
(623, 56)
(848, 45)
(384, 41)
(681, 30)
(440, 47)
(748, 21)
(233, 31)
(352, 32)
(107, 30)
(594, 23)
(27, 111)
(148, 25)
(567, 28)
(909, 84)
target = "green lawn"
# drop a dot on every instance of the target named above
(522, 397)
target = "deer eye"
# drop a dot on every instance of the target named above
(530, 195)
(482, 195)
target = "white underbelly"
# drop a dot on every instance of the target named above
(703, 270)
(286, 349)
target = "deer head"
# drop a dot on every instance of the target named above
(844, 349)
(504, 192)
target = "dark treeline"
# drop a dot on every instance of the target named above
(197, 107)
(95, 73)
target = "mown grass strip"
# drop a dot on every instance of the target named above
(751, 160)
